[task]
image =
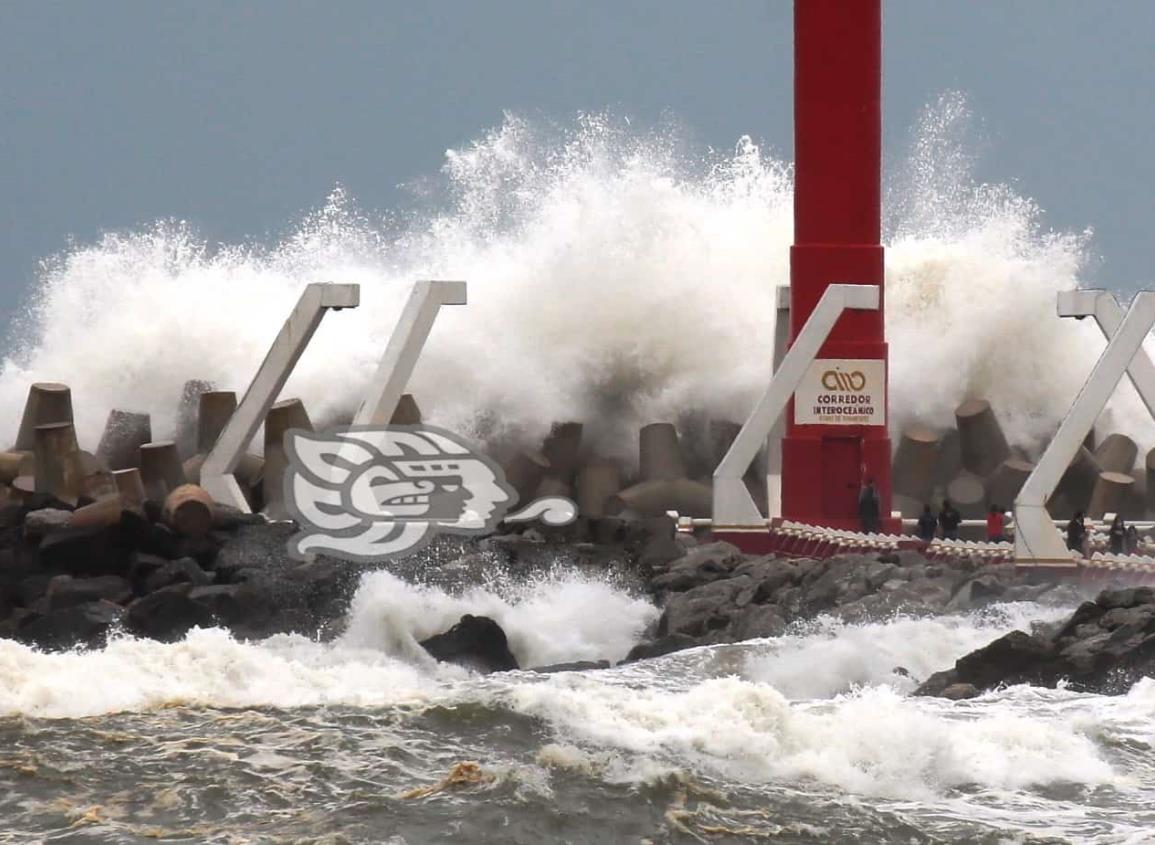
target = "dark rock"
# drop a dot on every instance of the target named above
(578, 666)
(476, 642)
(1129, 597)
(84, 551)
(960, 692)
(81, 625)
(168, 614)
(182, 571)
(659, 647)
(702, 609)
(66, 591)
(756, 622)
(699, 566)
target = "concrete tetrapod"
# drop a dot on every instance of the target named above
(1073, 492)
(1110, 494)
(407, 411)
(124, 433)
(160, 469)
(1117, 453)
(283, 416)
(655, 498)
(596, 483)
(131, 488)
(983, 445)
(48, 402)
(968, 494)
(660, 453)
(1005, 482)
(188, 510)
(913, 468)
(524, 473)
(214, 408)
(187, 411)
(58, 466)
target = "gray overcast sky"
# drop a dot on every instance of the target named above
(240, 116)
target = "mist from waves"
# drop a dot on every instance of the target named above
(616, 276)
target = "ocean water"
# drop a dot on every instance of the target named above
(810, 737)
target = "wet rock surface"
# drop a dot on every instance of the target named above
(712, 593)
(1105, 646)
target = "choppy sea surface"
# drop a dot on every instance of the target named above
(810, 737)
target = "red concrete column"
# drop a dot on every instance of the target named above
(837, 223)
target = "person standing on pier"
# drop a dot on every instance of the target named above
(996, 525)
(1117, 535)
(927, 524)
(870, 508)
(1077, 534)
(949, 519)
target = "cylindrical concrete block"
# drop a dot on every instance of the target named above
(48, 402)
(124, 433)
(596, 482)
(214, 410)
(1110, 493)
(551, 485)
(130, 487)
(659, 453)
(1117, 453)
(981, 441)
(912, 473)
(58, 468)
(188, 510)
(98, 481)
(1005, 482)
(10, 465)
(1135, 507)
(160, 469)
(283, 416)
(1150, 476)
(103, 512)
(1073, 492)
(188, 408)
(407, 411)
(655, 498)
(524, 473)
(967, 493)
(949, 462)
(562, 448)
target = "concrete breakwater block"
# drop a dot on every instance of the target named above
(283, 416)
(160, 469)
(1111, 491)
(913, 467)
(1117, 453)
(983, 446)
(124, 433)
(47, 403)
(659, 453)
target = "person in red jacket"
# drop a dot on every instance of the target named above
(996, 525)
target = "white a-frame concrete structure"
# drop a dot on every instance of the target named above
(385, 388)
(733, 505)
(1036, 537)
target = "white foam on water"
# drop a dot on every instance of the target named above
(873, 742)
(557, 618)
(829, 657)
(615, 277)
(376, 663)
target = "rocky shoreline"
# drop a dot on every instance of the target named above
(66, 584)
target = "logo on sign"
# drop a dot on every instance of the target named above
(854, 382)
(842, 392)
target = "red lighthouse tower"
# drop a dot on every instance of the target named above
(837, 230)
